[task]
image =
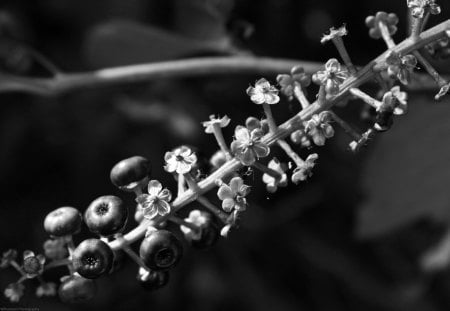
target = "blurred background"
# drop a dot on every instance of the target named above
(354, 237)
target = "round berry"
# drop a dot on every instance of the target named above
(384, 121)
(75, 288)
(92, 258)
(55, 249)
(153, 280)
(130, 173)
(161, 250)
(63, 221)
(106, 215)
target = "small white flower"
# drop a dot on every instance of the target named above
(263, 93)
(233, 195)
(340, 32)
(304, 171)
(200, 220)
(331, 77)
(419, 7)
(213, 121)
(271, 182)
(181, 160)
(156, 202)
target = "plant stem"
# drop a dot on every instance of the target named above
(340, 46)
(300, 95)
(70, 248)
(212, 208)
(416, 27)
(386, 35)
(218, 134)
(16, 266)
(290, 152)
(127, 249)
(270, 119)
(356, 145)
(182, 222)
(181, 187)
(193, 67)
(365, 97)
(267, 170)
(192, 184)
(322, 96)
(430, 69)
(58, 263)
(344, 125)
(363, 76)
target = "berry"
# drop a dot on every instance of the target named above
(384, 121)
(63, 221)
(55, 249)
(161, 250)
(106, 215)
(153, 280)
(130, 173)
(92, 258)
(75, 289)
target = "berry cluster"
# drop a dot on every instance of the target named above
(160, 249)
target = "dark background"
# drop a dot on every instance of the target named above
(350, 238)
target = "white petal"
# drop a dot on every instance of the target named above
(154, 187)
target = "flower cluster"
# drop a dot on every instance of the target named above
(160, 248)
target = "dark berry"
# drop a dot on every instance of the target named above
(63, 221)
(161, 250)
(75, 289)
(106, 215)
(153, 280)
(92, 258)
(130, 173)
(384, 120)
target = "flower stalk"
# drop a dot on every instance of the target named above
(212, 208)
(344, 125)
(385, 34)
(267, 170)
(300, 96)
(127, 249)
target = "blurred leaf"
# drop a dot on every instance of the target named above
(122, 42)
(203, 19)
(406, 177)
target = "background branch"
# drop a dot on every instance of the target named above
(193, 67)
